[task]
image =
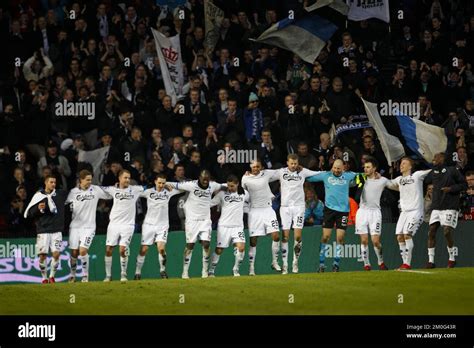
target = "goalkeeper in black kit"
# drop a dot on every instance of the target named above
(448, 183)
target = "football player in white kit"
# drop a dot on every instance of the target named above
(369, 215)
(411, 202)
(122, 222)
(198, 225)
(292, 207)
(230, 229)
(83, 201)
(262, 219)
(156, 224)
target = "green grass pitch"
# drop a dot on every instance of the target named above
(437, 291)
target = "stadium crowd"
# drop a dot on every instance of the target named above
(227, 105)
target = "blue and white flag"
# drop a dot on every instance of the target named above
(391, 145)
(307, 35)
(422, 138)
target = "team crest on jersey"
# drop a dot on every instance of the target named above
(232, 198)
(292, 177)
(123, 195)
(202, 193)
(85, 197)
(406, 181)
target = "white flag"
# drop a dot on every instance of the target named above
(365, 9)
(391, 145)
(96, 158)
(171, 64)
(213, 19)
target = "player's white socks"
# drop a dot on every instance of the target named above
(275, 250)
(239, 257)
(451, 254)
(431, 254)
(123, 264)
(206, 255)
(162, 261)
(108, 266)
(378, 252)
(54, 267)
(43, 268)
(85, 265)
(297, 251)
(252, 255)
(409, 244)
(214, 260)
(403, 251)
(284, 253)
(187, 260)
(140, 262)
(364, 249)
(73, 266)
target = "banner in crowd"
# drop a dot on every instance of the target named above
(351, 126)
(306, 35)
(97, 158)
(213, 20)
(422, 138)
(171, 64)
(391, 145)
(364, 9)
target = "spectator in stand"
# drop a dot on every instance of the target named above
(313, 214)
(306, 159)
(467, 198)
(58, 164)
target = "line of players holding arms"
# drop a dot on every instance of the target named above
(253, 196)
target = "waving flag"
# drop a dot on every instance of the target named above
(391, 145)
(424, 139)
(305, 35)
(171, 64)
(365, 9)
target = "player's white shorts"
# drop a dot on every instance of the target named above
(445, 217)
(409, 222)
(198, 230)
(46, 241)
(227, 235)
(262, 221)
(119, 234)
(81, 237)
(154, 233)
(368, 221)
(292, 215)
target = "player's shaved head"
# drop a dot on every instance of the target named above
(337, 167)
(255, 166)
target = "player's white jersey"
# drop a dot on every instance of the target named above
(291, 186)
(372, 191)
(233, 205)
(257, 185)
(84, 205)
(124, 208)
(157, 205)
(198, 203)
(411, 190)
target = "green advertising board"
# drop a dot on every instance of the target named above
(19, 264)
